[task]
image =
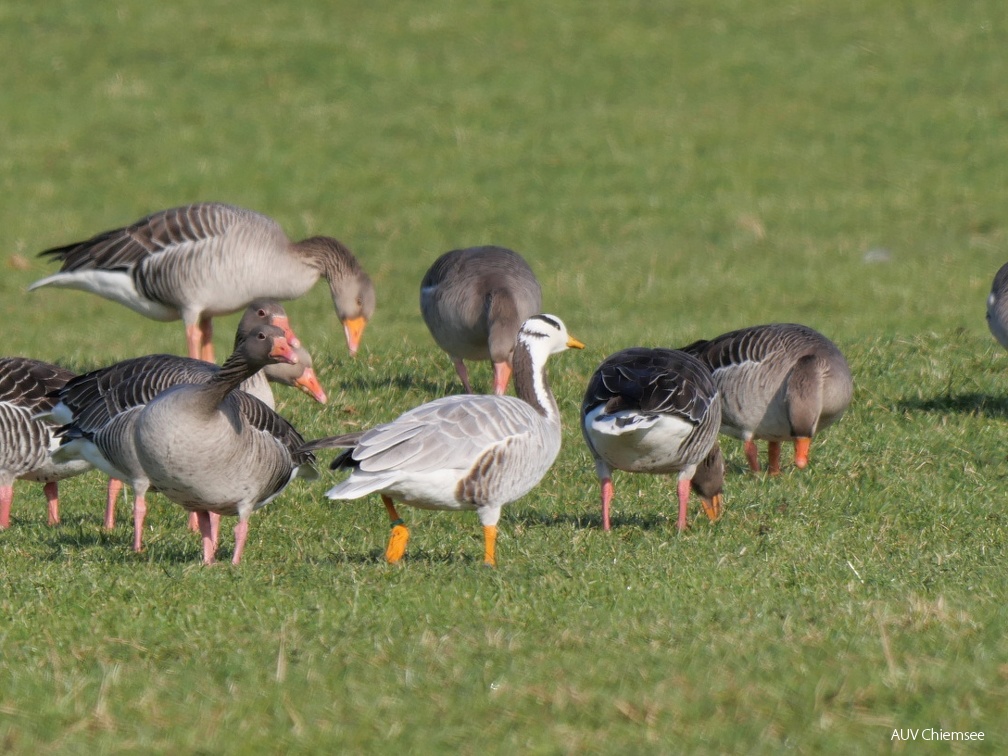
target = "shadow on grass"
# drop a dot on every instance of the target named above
(584, 521)
(402, 383)
(982, 405)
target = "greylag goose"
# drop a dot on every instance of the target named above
(474, 301)
(99, 409)
(655, 411)
(997, 307)
(465, 452)
(26, 386)
(208, 259)
(213, 448)
(778, 382)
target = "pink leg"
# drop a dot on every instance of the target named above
(502, 374)
(209, 547)
(51, 490)
(114, 487)
(773, 457)
(460, 368)
(206, 339)
(752, 455)
(194, 523)
(6, 497)
(683, 489)
(139, 512)
(214, 528)
(607, 497)
(241, 533)
(194, 337)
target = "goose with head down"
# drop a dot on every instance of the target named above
(207, 259)
(778, 382)
(26, 438)
(474, 301)
(655, 411)
(465, 452)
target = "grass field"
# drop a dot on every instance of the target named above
(671, 171)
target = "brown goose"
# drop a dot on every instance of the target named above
(208, 259)
(655, 411)
(778, 382)
(99, 409)
(212, 448)
(465, 452)
(474, 301)
(997, 307)
(26, 387)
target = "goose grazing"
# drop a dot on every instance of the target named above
(778, 382)
(464, 452)
(26, 439)
(997, 307)
(214, 449)
(474, 301)
(208, 259)
(100, 409)
(655, 411)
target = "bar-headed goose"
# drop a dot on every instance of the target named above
(213, 448)
(26, 440)
(208, 259)
(465, 452)
(655, 411)
(778, 382)
(474, 301)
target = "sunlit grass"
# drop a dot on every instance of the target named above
(670, 171)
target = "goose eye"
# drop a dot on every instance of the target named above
(261, 336)
(262, 313)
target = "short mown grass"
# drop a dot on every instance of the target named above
(671, 171)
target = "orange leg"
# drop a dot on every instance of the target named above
(801, 452)
(400, 534)
(490, 545)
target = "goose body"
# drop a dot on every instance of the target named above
(100, 409)
(997, 307)
(215, 449)
(655, 411)
(208, 259)
(26, 440)
(778, 382)
(466, 452)
(474, 301)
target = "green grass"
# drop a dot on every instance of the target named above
(671, 171)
